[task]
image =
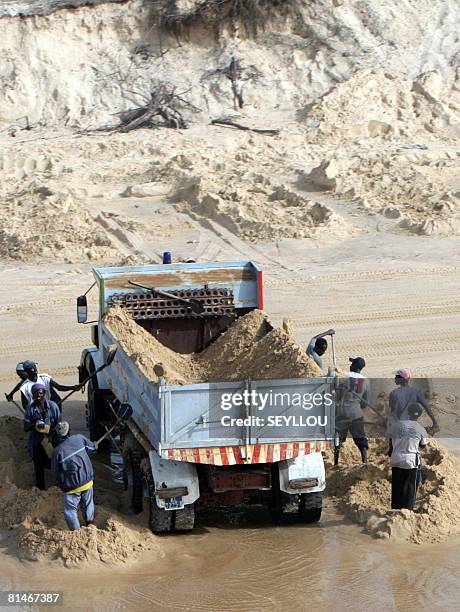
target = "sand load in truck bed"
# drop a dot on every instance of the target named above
(245, 350)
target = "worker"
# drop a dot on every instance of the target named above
(405, 395)
(30, 367)
(408, 437)
(74, 474)
(22, 377)
(355, 395)
(318, 346)
(40, 419)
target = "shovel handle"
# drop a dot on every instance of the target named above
(107, 433)
(20, 408)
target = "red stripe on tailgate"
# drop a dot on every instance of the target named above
(223, 454)
(269, 453)
(260, 290)
(283, 451)
(196, 455)
(256, 453)
(237, 455)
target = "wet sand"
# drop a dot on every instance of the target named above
(261, 567)
(241, 561)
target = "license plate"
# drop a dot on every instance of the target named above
(173, 503)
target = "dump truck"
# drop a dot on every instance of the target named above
(186, 447)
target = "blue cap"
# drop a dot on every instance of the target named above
(20, 367)
(167, 257)
(28, 364)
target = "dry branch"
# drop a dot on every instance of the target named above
(239, 126)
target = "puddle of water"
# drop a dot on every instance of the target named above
(257, 566)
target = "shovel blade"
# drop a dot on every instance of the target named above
(196, 306)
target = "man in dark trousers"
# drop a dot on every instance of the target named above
(40, 419)
(74, 474)
(354, 396)
(408, 437)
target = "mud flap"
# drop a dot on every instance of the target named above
(303, 474)
(174, 475)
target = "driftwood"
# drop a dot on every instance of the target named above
(239, 76)
(161, 110)
(228, 123)
(16, 127)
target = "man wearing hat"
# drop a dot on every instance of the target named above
(403, 396)
(74, 474)
(40, 419)
(354, 397)
(22, 377)
(408, 437)
(30, 368)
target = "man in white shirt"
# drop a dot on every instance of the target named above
(353, 398)
(30, 368)
(407, 437)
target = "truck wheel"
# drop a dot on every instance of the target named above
(310, 507)
(93, 407)
(160, 520)
(184, 519)
(136, 481)
(284, 507)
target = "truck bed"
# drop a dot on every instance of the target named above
(199, 423)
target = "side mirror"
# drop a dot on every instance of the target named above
(82, 309)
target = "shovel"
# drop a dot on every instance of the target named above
(110, 358)
(124, 413)
(196, 306)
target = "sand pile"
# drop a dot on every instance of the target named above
(406, 192)
(35, 522)
(375, 104)
(363, 493)
(254, 209)
(148, 353)
(246, 350)
(38, 224)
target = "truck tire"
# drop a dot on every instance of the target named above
(284, 506)
(184, 520)
(94, 407)
(137, 486)
(160, 520)
(310, 507)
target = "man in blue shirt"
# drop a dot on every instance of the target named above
(40, 419)
(74, 475)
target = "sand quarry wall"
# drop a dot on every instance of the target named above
(106, 50)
